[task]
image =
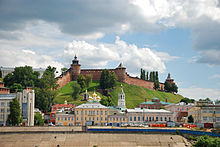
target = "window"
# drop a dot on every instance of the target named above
(2, 103)
(90, 118)
(81, 118)
(134, 118)
(178, 109)
(8, 110)
(156, 118)
(130, 118)
(217, 111)
(149, 118)
(1, 116)
(152, 107)
(2, 109)
(65, 118)
(110, 119)
(97, 112)
(76, 118)
(210, 119)
(204, 111)
(105, 119)
(210, 110)
(161, 118)
(117, 119)
(169, 118)
(72, 118)
(97, 118)
(187, 109)
(58, 118)
(105, 112)
(143, 118)
(139, 118)
(81, 112)
(204, 118)
(165, 118)
(101, 118)
(101, 112)
(85, 112)
(77, 112)
(123, 119)
(113, 119)
(182, 109)
(8, 104)
(85, 118)
(218, 119)
(68, 118)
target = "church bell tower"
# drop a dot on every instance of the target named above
(121, 99)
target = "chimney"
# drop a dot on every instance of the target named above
(145, 99)
(166, 100)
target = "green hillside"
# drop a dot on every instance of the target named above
(134, 95)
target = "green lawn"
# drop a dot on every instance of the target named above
(134, 95)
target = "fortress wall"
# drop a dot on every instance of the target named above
(96, 73)
(66, 78)
(139, 82)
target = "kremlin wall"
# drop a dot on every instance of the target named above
(75, 70)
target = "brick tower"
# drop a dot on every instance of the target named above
(120, 71)
(75, 69)
(169, 80)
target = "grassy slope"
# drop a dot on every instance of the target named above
(134, 95)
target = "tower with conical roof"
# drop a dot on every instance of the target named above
(121, 99)
(169, 79)
(75, 68)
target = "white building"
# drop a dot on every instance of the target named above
(121, 99)
(140, 116)
(26, 100)
(5, 100)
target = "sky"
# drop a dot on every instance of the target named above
(181, 37)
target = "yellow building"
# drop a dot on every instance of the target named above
(65, 119)
(206, 113)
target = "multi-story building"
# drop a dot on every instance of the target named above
(206, 113)
(63, 107)
(63, 119)
(179, 110)
(5, 100)
(26, 99)
(91, 113)
(154, 104)
(140, 116)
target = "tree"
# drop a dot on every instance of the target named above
(190, 119)
(107, 101)
(141, 76)
(81, 80)
(14, 118)
(112, 80)
(167, 87)
(187, 100)
(45, 93)
(64, 69)
(38, 120)
(0, 74)
(104, 79)
(174, 88)
(88, 80)
(16, 88)
(147, 77)
(24, 76)
(206, 141)
(156, 84)
(151, 76)
(76, 90)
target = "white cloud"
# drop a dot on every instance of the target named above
(99, 55)
(165, 56)
(200, 93)
(216, 76)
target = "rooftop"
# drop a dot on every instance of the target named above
(7, 96)
(92, 105)
(156, 101)
(139, 110)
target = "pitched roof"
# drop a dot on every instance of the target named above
(138, 110)
(92, 105)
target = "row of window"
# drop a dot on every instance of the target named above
(64, 118)
(205, 118)
(149, 118)
(92, 118)
(91, 112)
(3, 103)
(3, 110)
(117, 119)
(210, 111)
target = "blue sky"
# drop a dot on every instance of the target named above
(181, 37)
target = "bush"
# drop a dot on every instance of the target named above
(206, 141)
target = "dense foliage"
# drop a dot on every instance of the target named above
(24, 76)
(153, 77)
(170, 87)
(206, 141)
(107, 79)
(14, 118)
(76, 90)
(187, 100)
(190, 119)
(107, 101)
(84, 81)
(46, 92)
(38, 119)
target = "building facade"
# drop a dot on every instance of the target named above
(65, 119)
(141, 116)
(5, 100)
(121, 99)
(154, 104)
(179, 110)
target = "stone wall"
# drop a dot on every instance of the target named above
(64, 79)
